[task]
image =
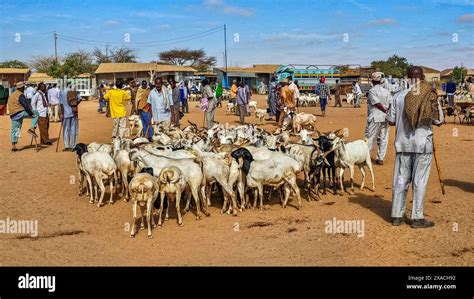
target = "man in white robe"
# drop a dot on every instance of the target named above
(413, 112)
(160, 101)
(377, 128)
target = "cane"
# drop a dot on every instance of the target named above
(59, 136)
(439, 170)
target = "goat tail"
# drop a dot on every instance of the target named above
(142, 191)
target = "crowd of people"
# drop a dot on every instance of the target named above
(44, 104)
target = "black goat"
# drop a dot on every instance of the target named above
(329, 169)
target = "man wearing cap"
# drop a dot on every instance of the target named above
(40, 104)
(378, 102)
(19, 108)
(413, 112)
(323, 91)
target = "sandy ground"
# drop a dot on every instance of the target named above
(40, 186)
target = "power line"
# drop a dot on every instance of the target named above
(203, 33)
(139, 45)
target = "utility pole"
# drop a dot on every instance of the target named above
(107, 52)
(56, 46)
(225, 55)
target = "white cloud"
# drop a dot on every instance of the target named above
(156, 15)
(112, 22)
(220, 5)
(382, 22)
(467, 18)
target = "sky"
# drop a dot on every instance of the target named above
(433, 33)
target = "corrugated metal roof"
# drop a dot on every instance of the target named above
(14, 70)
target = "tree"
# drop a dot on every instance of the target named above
(194, 58)
(100, 57)
(394, 66)
(342, 68)
(77, 63)
(48, 65)
(459, 74)
(13, 63)
(122, 54)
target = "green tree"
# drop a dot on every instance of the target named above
(459, 74)
(194, 58)
(394, 66)
(13, 63)
(77, 63)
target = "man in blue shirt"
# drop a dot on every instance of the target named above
(68, 102)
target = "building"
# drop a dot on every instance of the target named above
(37, 78)
(253, 76)
(431, 75)
(211, 76)
(13, 75)
(111, 72)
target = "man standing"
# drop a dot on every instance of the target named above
(53, 98)
(117, 100)
(242, 102)
(233, 91)
(211, 101)
(175, 109)
(378, 103)
(29, 92)
(287, 100)
(160, 101)
(272, 98)
(144, 109)
(294, 88)
(323, 92)
(413, 112)
(450, 91)
(133, 92)
(68, 109)
(357, 92)
(183, 95)
(19, 107)
(39, 103)
(102, 92)
(337, 94)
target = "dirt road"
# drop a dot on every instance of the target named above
(42, 186)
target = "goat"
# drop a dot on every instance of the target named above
(100, 166)
(135, 125)
(269, 172)
(302, 120)
(172, 185)
(260, 114)
(99, 147)
(350, 154)
(143, 192)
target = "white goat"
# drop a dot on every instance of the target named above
(143, 192)
(172, 185)
(260, 114)
(350, 154)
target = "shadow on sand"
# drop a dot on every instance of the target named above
(376, 204)
(465, 186)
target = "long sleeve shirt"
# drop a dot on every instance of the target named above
(37, 103)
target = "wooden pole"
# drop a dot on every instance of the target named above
(59, 136)
(439, 171)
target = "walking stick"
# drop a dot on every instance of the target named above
(59, 136)
(439, 170)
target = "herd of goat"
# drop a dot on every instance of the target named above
(192, 162)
